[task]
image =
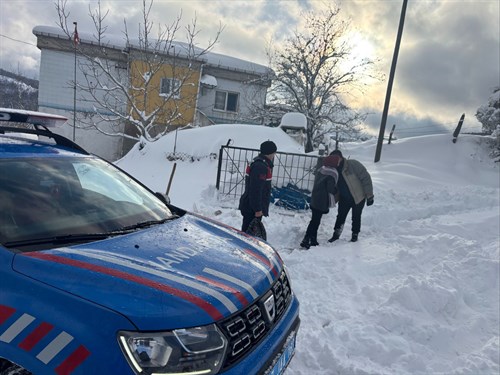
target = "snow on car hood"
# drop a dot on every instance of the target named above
(187, 272)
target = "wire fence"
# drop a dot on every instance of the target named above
(292, 182)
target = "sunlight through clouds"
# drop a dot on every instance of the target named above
(449, 57)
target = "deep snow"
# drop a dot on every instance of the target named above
(417, 294)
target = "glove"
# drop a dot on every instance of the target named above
(369, 201)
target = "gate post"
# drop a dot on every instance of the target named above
(219, 167)
(392, 132)
(457, 130)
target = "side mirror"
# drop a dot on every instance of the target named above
(163, 197)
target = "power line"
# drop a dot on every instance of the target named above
(17, 40)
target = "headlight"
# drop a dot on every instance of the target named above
(194, 351)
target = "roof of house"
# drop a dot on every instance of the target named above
(119, 42)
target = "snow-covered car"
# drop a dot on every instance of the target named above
(100, 275)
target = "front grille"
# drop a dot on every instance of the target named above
(245, 329)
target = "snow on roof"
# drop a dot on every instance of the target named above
(119, 42)
(208, 80)
(294, 120)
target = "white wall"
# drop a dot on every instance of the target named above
(56, 95)
(248, 95)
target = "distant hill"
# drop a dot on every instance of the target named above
(17, 91)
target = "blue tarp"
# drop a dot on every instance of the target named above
(291, 197)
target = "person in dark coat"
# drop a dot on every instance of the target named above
(322, 198)
(254, 203)
(355, 188)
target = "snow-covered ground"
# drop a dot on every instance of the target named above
(417, 294)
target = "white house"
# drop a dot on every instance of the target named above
(226, 89)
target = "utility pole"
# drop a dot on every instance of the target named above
(76, 41)
(378, 152)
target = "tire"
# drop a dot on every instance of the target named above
(9, 368)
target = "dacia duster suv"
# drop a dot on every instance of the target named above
(100, 275)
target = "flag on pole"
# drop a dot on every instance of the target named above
(76, 38)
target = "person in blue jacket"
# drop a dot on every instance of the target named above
(254, 203)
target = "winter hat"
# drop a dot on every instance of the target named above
(337, 152)
(332, 161)
(268, 148)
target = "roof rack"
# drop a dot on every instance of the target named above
(41, 130)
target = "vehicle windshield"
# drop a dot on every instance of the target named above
(55, 197)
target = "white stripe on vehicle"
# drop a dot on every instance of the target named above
(16, 328)
(257, 263)
(233, 280)
(272, 256)
(276, 264)
(165, 275)
(55, 347)
(268, 250)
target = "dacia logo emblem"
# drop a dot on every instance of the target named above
(270, 308)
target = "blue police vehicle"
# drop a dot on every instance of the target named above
(100, 275)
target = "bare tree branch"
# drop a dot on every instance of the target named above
(313, 73)
(63, 16)
(125, 87)
(98, 19)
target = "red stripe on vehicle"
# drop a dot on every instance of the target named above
(236, 292)
(264, 260)
(73, 361)
(34, 337)
(5, 313)
(209, 309)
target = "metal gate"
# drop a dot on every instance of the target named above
(291, 172)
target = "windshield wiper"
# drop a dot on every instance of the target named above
(85, 237)
(145, 224)
(67, 238)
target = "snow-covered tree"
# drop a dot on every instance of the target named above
(314, 73)
(489, 114)
(125, 86)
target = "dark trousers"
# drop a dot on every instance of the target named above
(247, 219)
(345, 205)
(312, 228)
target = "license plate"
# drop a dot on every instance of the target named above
(283, 358)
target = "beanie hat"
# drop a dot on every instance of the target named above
(332, 161)
(268, 148)
(337, 152)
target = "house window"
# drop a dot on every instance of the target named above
(226, 101)
(170, 87)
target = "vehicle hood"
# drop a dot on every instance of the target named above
(186, 272)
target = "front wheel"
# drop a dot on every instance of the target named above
(9, 368)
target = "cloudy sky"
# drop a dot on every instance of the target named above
(449, 60)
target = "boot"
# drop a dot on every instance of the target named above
(354, 237)
(306, 242)
(336, 235)
(314, 241)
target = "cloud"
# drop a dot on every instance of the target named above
(449, 57)
(448, 64)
